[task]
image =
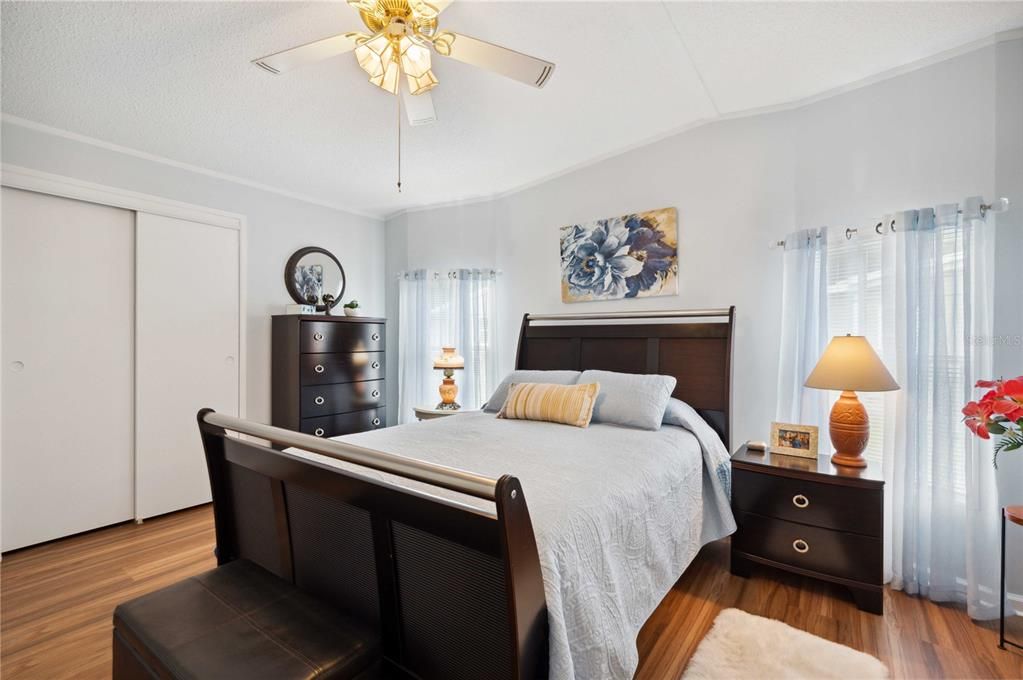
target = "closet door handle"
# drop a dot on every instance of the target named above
(317, 336)
(319, 401)
(800, 501)
(318, 368)
(375, 364)
(375, 393)
(376, 422)
(374, 337)
(318, 432)
(800, 546)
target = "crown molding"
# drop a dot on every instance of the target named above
(117, 148)
(1004, 36)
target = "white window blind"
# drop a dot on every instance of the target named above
(857, 304)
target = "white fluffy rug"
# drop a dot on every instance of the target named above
(741, 645)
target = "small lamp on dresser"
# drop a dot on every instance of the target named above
(850, 364)
(448, 361)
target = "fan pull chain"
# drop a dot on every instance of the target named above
(398, 98)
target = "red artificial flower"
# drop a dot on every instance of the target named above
(978, 428)
(988, 383)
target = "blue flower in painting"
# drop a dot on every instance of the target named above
(618, 257)
(598, 261)
(646, 245)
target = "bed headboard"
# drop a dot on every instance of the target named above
(694, 345)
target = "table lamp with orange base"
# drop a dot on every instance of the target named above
(850, 364)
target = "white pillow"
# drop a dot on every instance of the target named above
(630, 399)
(497, 400)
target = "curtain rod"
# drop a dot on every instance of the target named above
(451, 272)
(999, 206)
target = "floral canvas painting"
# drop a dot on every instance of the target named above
(620, 257)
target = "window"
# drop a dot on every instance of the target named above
(861, 300)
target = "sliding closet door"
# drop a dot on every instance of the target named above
(187, 351)
(68, 295)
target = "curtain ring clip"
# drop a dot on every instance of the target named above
(878, 228)
(849, 233)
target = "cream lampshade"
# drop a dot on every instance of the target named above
(850, 364)
(448, 361)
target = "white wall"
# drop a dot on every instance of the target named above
(277, 226)
(921, 138)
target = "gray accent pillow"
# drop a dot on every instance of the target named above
(630, 399)
(497, 400)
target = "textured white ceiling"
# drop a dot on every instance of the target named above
(174, 79)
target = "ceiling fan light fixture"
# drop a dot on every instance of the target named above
(388, 80)
(423, 83)
(415, 59)
(373, 55)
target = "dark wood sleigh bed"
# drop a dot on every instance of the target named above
(448, 591)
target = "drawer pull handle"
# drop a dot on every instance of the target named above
(319, 432)
(800, 501)
(800, 546)
(375, 393)
(318, 368)
(374, 337)
(317, 336)
(319, 401)
(376, 421)
(375, 364)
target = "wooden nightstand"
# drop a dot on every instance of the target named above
(812, 518)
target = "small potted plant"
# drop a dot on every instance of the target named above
(352, 308)
(999, 412)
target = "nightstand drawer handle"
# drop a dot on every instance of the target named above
(374, 337)
(318, 432)
(375, 364)
(800, 501)
(319, 401)
(800, 546)
(317, 336)
(376, 422)
(318, 368)
(375, 393)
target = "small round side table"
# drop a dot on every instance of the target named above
(1013, 513)
(428, 413)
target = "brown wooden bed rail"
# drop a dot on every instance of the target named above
(455, 591)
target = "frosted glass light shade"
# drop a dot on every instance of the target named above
(448, 359)
(850, 363)
(371, 55)
(423, 83)
(415, 59)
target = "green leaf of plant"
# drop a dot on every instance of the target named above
(996, 428)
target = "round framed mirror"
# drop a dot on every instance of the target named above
(311, 274)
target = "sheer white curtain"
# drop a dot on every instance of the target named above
(944, 499)
(446, 308)
(804, 333)
(919, 286)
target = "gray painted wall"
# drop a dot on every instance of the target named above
(934, 135)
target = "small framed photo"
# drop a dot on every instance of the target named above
(794, 440)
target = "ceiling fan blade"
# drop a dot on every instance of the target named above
(309, 53)
(514, 65)
(418, 107)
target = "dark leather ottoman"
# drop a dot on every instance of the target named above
(238, 621)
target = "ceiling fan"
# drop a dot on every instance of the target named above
(402, 35)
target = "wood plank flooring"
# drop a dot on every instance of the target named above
(57, 600)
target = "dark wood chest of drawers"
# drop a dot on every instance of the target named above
(812, 518)
(328, 374)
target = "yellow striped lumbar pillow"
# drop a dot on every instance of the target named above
(568, 404)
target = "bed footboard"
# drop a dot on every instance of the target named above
(454, 591)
